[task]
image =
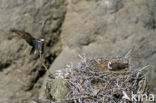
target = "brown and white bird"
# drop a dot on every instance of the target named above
(37, 45)
(118, 64)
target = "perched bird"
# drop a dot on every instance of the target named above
(117, 64)
(112, 64)
(37, 45)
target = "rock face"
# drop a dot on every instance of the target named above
(94, 28)
(21, 74)
(98, 28)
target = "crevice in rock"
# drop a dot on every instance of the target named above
(4, 65)
(52, 38)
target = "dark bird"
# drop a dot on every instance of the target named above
(36, 44)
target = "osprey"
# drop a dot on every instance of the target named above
(118, 64)
(36, 44)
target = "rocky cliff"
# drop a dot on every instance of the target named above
(94, 28)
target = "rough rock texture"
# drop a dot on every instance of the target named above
(21, 74)
(93, 28)
(97, 28)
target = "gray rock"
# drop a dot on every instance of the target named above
(110, 28)
(94, 28)
(21, 74)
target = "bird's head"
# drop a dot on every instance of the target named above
(42, 40)
(109, 65)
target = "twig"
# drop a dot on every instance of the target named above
(145, 67)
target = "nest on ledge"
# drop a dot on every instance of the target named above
(102, 80)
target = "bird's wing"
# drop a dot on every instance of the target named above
(25, 35)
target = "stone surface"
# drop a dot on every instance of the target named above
(21, 74)
(99, 28)
(94, 28)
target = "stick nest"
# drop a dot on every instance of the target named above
(91, 82)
